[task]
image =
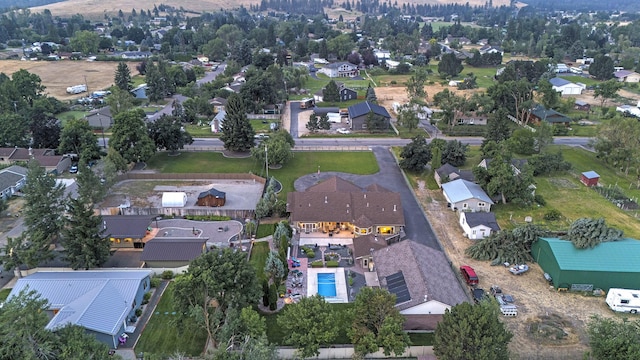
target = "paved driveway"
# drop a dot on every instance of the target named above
(417, 226)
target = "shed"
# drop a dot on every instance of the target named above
(211, 197)
(582, 105)
(174, 199)
(590, 178)
(614, 264)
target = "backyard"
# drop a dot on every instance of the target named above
(259, 253)
(162, 336)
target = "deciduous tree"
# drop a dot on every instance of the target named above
(415, 155)
(415, 84)
(449, 65)
(408, 117)
(78, 138)
(168, 134)
(614, 339)
(606, 90)
(602, 67)
(130, 138)
(472, 332)
(14, 130)
(377, 323)
(45, 132)
(277, 149)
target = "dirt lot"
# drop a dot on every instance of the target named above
(387, 95)
(543, 313)
(58, 75)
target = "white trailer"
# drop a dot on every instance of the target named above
(624, 300)
(76, 89)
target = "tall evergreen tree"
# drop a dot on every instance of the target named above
(123, 77)
(449, 65)
(237, 133)
(371, 95)
(84, 243)
(331, 93)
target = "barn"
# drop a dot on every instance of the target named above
(174, 199)
(614, 264)
(212, 198)
(590, 178)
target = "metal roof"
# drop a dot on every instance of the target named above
(365, 107)
(460, 190)
(556, 81)
(590, 174)
(614, 256)
(96, 299)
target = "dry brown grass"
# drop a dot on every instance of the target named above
(58, 75)
(96, 9)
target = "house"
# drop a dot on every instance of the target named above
(100, 118)
(12, 179)
(52, 163)
(478, 225)
(140, 91)
(103, 302)
(448, 172)
(464, 195)
(424, 289)
(582, 105)
(359, 113)
(613, 264)
(627, 76)
(565, 87)
(172, 252)
(211, 197)
(460, 40)
(345, 93)
(126, 231)
(629, 110)
(216, 123)
(381, 55)
(489, 49)
(365, 246)
(218, 104)
(340, 69)
(590, 178)
(540, 114)
(561, 68)
(471, 118)
(336, 204)
(133, 55)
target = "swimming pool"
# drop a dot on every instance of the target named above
(327, 284)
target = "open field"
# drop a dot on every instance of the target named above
(58, 75)
(97, 9)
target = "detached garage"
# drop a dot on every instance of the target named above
(613, 264)
(174, 199)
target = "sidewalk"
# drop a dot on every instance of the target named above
(142, 321)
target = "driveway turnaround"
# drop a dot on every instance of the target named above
(417, 226)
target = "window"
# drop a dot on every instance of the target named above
(473, 232)
(465, 205)
(624, 301)
(481, 204)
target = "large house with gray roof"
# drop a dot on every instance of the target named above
(336, 204)
(422, 279)
(463, 195)
(359, 113)
(172, 252)
(103, 302)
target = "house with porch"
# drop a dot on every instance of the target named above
(424, 289)
(540, 114)
(340, 69)
(463, 195)
(336, 205)
(103, 302)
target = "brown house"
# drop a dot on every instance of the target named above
(212, 198)
(338, 205)
(47, 158)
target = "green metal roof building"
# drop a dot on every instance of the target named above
(613, 264)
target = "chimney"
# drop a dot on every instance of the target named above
(365, 195)
(30, 151)
(325, 200)
(394, 208)
(367, 204)
(309, 204)
(382, 209)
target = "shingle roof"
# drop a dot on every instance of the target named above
(590, 174)
(426, 272)
(446, 170)
(339, 200)
(581, 103)
(556, 81)
(622, 255)
(362, 245)
(20, 170)
(482, 218)
(126, 226)
(460, 190)
(98, 300)
(5, 152)
(365, 107)
(173, 249)
(622, 73)
(213, 192)
(549, 115)
(48, 160)
(23, 154)
(9, 179)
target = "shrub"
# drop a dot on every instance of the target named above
(316, 264)
(539, 200)
(265, 292)
(155, 281)
(207, 217)
(167, 275)
(273, 297)
(350, 280)
(138, 312)
(145, 298)
(553, 215)
(332, 263)
(309, 252)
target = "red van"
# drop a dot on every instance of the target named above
(469, 275)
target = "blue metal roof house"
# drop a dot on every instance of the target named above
(101, 301)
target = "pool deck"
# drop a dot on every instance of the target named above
(341, 283)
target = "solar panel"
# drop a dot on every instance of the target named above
(396, 285)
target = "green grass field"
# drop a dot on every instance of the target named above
(200, 131)
(258, 258)
(302, 163)
(161, 336)
(70, 115)
(4, 293)
(579, 79)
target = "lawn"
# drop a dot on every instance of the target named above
(566, 194)
(276, 335)
(302, 163)
(198, 131)
(579, 79)
(4, 293)
(258, 258)
(72, 114)
(161, 336)
(265, 230)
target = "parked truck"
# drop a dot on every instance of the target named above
(624, 300)
(306, 103)
(76, 89)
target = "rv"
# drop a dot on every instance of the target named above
(76, 89)
(624, 300)
(575, 70)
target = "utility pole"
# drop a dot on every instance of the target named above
(266, 160)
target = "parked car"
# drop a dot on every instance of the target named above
(469, 275)
(478, 294)
(261, 136)
(519, 269)
(344, 131)
(73, 169)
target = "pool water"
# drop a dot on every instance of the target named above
(327, 284)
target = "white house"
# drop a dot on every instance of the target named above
(464, 195)
(630, 109)
(478, 225)
(566, 87)
(381, 54)
(562, 68)
(340, 69)
(627, 76)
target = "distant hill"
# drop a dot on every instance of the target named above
(581, 5)
(6, 4)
